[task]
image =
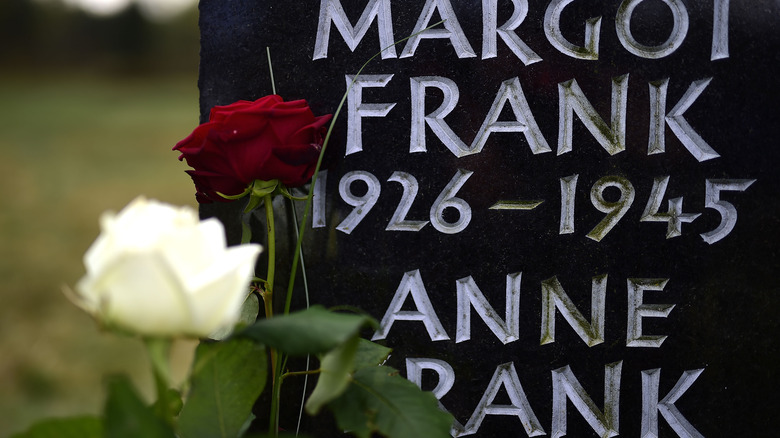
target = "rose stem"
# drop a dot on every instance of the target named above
(273, 420)
(307, 207)
(268, 295)
(159, 351)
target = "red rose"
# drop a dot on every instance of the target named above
(246, 141)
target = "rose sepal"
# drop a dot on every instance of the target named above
(261, 188)
(258, 191)
(282, 190)
(238, 196)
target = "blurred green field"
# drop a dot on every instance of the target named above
(70, 148)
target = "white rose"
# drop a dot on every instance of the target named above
(156, 270)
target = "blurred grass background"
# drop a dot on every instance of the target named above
(90, 107)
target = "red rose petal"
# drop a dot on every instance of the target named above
(265, 139)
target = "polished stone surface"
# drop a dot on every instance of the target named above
(725, 293)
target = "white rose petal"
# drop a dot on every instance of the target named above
(214, 307)
(157, 270)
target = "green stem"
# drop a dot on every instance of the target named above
(159, 355)
(306, 296)
(268, 294)
(277, 376)
(273, 423)
(268, 299)
(300, 373)
(307, 208)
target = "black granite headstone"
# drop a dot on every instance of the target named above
(566, 224)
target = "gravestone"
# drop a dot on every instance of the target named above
(564, 213)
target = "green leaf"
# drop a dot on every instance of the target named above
(227, 378)
(379, 400)
(247, 424)
(370, 354)
(249, 311)
(280, 435)
(311, 331)
(76, 427)
(127, 416)
(335, 368)
(170, 404)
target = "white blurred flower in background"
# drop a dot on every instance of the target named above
(154, 9)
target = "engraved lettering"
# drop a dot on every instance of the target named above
(363, 204)
(470, 296)
(683, 130)
(319, 198)
(673, 216)
(412, 283)
(651, 406)
(511, 92)
(554, 297)
(552, 29)
(637, 310)
(615, 210)
(451, 31)
(446, 200)
(505, 376)
(435, 119)
(656, 143)
(568, 189)
(357, 109)
(446, 379)
(399, 222)
(678, 34)
(490, 30)
(728, 213)
(332, 11)
(720, 30)
(566, 386)
(572, 100)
